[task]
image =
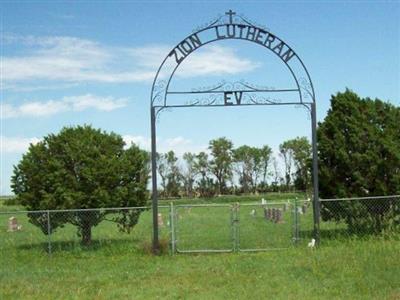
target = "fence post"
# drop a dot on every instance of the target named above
(233, 229)
(316, 202)
(172, 227)
(236, 227)
(48, 233)
(296, 221)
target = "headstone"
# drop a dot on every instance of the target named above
(299, 210)
(278, 216)
(273, 214)
(263, 202)
(253, 213)
(160, 220)
(13, 225)
(269, 214)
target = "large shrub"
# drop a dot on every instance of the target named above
(359, 155)
(82, 168)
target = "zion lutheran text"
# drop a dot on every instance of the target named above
(234, 31)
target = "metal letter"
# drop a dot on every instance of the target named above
(227, 98)
(195, 40)
(287, 55)
(230, 30)
(278, 47)
(218, 35)
(251, 31)
(269, 40)
(259, 36)
(186, 47)
(177, 59)
(238, 96)
(241, 27)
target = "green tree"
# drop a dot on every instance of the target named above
(286, 152)
(190, 172)
(221, 163)
(266, 156)
(80, 168)
(243, 157)
(251, 163)
(301, 149)
(276, 175)
(174, 175)
(162, 169)
(358, 144)
(205, 184)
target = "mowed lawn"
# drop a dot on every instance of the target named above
(119, 266)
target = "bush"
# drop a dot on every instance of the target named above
(358, 144)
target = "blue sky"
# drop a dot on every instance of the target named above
(69, 63)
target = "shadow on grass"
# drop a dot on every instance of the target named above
(346, 234)
(76, 246)
(326, 234)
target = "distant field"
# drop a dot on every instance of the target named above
(119, 265)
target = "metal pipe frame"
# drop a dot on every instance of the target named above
(155, 109)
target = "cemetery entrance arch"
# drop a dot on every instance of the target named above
(232, 26)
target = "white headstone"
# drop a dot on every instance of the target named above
(13, 224)
(160, 220)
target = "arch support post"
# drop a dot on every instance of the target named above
(154, 195)
(316, 203)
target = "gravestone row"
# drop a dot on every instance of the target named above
(273, 215)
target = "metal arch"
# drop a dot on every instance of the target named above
(215, 40)
(306, 87)
(312, 93)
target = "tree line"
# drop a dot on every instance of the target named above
(83, 167)
(229, 170)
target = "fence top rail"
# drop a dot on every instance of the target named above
(204, 205)
(269, 203)
(79, 209)
(360, 198)
(280, 202)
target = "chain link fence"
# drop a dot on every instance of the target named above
(111, 229)
(186, 228)
(360, 218)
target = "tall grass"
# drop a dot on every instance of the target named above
(119, 265)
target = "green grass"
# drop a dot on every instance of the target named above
(118, 266)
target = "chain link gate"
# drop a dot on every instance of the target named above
(234, 227)
(201, 228)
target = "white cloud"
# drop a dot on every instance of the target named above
(216, 60)
(179, 144)
(72, 60)
(141, 141)
(16, 144)
(68, 59)
(51, 107)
